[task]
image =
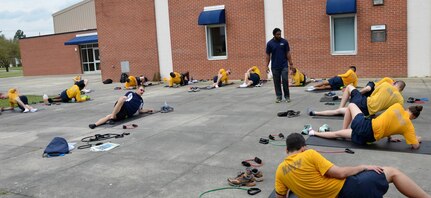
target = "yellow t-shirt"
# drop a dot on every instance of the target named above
(132, 83)
(385, 79)
(349, 77)
(176, 80)
(304, 174)
(298, 78)
(255, 70)
(223, 78)
(12, 95)
(394, 121)
(384, 96)
(74, 92)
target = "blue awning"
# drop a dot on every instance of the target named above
(82, 40)
(340, 6)
(212, 17)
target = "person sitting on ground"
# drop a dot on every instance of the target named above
(298, 78)
(251, 77)
(73, 93)
(177, 78)
(384, 96)
(221, 78)
(16, 99)
(338, 82)
(133, 82)
(77, 80)
(394, 121)
(370, 87)
(308, 174)
(126, 106)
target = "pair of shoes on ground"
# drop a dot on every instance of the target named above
(166, 109)
(311, 88)
(279, 100)
(247, 178)
(29, 110)
(308, 128)
(288, 113)
(194, 89)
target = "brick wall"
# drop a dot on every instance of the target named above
(47, 55)
(245, 37)
(127, 31)
(307, 30)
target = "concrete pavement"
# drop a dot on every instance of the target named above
(178, 154)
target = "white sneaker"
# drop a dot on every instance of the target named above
(311, 88)
(243, 85)
(216, 86)
(33, 110)
(86, 90)
(26, 110)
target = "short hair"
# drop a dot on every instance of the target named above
(275, 31)
(416, 110)
(294, 142)
(353, 67)
(172, 74)
(401, 84)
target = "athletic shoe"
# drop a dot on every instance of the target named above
(86, 90)
(33, 110)
(92, 126)
(26, 110)
(288, 100)
(306, 129)
(277, 100)
(243, 179)
(310, 112)
(243, 85)
(257, 174)
(311, 88)
(324, 128)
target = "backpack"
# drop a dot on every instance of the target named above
(123, 77)
(107, 81)
(57, 147)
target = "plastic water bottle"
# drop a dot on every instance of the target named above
(45, 97)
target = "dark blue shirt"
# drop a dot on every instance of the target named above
(133, 103)
(278, 52)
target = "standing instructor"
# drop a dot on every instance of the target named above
(278, 51)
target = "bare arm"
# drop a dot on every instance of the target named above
(146, 110)
(344, 172)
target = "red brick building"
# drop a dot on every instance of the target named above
(158, 36)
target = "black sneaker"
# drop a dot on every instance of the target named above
(92, 126)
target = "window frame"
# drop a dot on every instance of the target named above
(209, 42)
(331, 27)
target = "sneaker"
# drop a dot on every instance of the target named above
(288, 100)
(277, 100)
(243, 85)
(86, 90)
(191, 89)
(324, 128)
(331, 93)
(26, 110)
(306, 129)
(33, 110)
(310, 112)
(311, 88)
(243, 179)
(196, 89)
(92, 126)
(257, 174)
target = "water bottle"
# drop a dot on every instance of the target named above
(45, 97)
(73, 100)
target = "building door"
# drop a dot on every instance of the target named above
(90, 57)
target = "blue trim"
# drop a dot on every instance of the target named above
(212, 17)
(82, 40)
(340, 6)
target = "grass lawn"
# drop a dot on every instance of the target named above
(32, 99)
(13, 72)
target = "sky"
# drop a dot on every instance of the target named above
(34, 17)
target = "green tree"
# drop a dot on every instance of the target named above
(9, 50)
(19, 34)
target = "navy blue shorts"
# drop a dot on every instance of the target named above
(215, 80)
(24, 100)
(122, 114)
(359, 100)
(255, 78)
(336, 83)
(364, 184)
(372, 85)
(362, 130)
(64, 97)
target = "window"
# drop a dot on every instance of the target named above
(216, 41)
(343, 34)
